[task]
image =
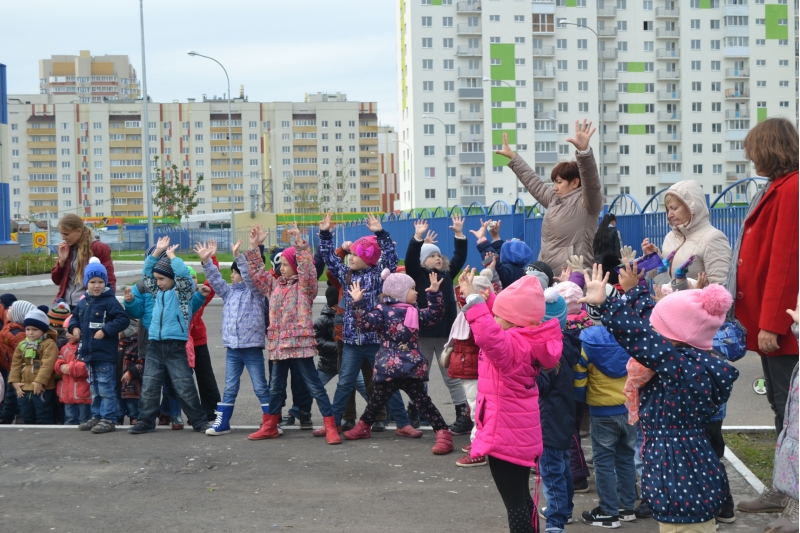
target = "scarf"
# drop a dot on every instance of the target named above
(31, 347)
(412, 315)
(638, 376)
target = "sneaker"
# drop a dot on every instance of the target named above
(347, 425)
(468, 461)
(205, 426)
(541, 515)
(379, 426)
(581, 486)
(627, 515)
(466, 448)
(643, 511)
(598, 517)
(770, 501)
(89, 424)
(104, 426)
(305, 421)
(140, 428)
(463, 423)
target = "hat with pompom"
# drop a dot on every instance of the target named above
(397, 285)
(94, 269)
(692, 316)
(58, 314)
(571, 293)
(555, 306)
(483, 281)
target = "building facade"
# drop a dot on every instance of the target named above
(89, 78)
(672, 88)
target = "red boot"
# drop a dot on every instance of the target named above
(331, 431)
(361, 431)
(321, 432)
(269, 428)
(408, 431)
(444, 442)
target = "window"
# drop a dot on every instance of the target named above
(583, 64)
(622, 46)
(427, 64)
(583, 44)
(697, 169)
(622, 25)
(648, 46)
(563, 107)
(650, 149)
(716, 107)
(717, 169)
(563, 86)
(716, 86)
(761, 83)
(697, 86)
(430, 172)
(521, 104)
(495, 40)
(783, 63)
(427, 22)
(716, 148)
(98, 151)
(761, 42)
(427, 107)
(716, 65)
(697, 127)
(561, 44)
(519, 61)
(561, 64)
(784, 104)
(716, 128)
(427, 86)
(519, 18)
(449, 86)
(695, 44)
(714, 24)
(519, 40)
(695, 65)
(494, 18)
(647, 5)
(697, 107)
(697, 148)
(583, 86)
(447, 43)
(447, 22)
(428, 129)
(695, 24)
(430, 193)
(583, 107)
(624, 149)
(427, 42)
(783, 83)
(497, 190)
(450, 108)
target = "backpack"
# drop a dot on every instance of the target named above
(731, 340)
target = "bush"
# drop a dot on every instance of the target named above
(27, 265)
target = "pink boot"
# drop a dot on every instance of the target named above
(444, 442)
(408, 431)
(331, 431)
(361, 431)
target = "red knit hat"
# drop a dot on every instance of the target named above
(693, 316)
(367, 249)
(521, 303)
(290, 254)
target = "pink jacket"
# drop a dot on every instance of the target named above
(73, 387)
(507, 409)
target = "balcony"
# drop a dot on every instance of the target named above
(466, 51)
(610, 116)
(547, 72)
(544, 94)
(470, 92)
(669, 116)
(472, 158)
(735, 156)
(736, 9)
(668, 53)
(665, 13)
(546, 157)
(545, 115)
(543, 6)
(733, 73)
(737, 51)
(473, 6)
(664, 157)
(669, 136)
(737, 113)
(607, 33)
(736, 31)
(611, 179)
(740, 94)
(610, 96)
(664, 74)
(465, 72)
(608, 74)
(668, 95)
(664, 33)
(606, 12)
(612, 137)
(544, 51)
(470, 116)
(609, 53)
(467, 29)
(468, 137)
(670, 177)
(735, 135)
(736, 176)
(609, 158)
(467, 179)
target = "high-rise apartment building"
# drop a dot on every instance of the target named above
(89, 78)
(672, 86)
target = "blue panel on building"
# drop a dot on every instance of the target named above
(3, 96)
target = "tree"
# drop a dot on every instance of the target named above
(172, 195)
(302, 198)
(334, 189)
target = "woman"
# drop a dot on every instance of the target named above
(606, 240)
(573, 203)
(763, 278)
(74, 253)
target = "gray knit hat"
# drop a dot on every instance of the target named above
(483, 281)
(164, 267)
(19, 309)
(427, 250)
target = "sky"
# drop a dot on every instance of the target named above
(279, 50)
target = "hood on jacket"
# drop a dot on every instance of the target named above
(690, 193)
(604, 352)
(544, 343)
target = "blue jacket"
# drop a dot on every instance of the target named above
(95, 313)
(142, 305)
(172, 309)
(557, 400)
(243, 309)
(507, 272)
(604, 362)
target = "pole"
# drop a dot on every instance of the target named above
(411, 170)
(148, 192)
(230, 159)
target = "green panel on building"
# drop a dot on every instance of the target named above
(505, 53)
(504, 94)
(636, 66)
(705, 4)
(572, 3)
(637, 129)
(772, 14)
(761, 113)
(499, 160)
(636, 109)
(497, 136)
(504, 114)
(635, 87)
(436, 2)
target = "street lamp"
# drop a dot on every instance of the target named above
(446, 163)
(148, 186)
(230, 144)
(533, 102)
(411, 175)
(602, 101)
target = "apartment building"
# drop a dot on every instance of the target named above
(672, 87)
(89, 78)
(71, 157)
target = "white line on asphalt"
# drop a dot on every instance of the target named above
(744, 471)
(748, 428)
(20, 427)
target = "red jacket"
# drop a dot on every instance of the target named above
(10, 336)
(766, 280)
(197, 328)
(60, 275)
(74, 386)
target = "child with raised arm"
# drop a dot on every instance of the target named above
(291, 328)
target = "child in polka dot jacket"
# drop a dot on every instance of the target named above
(683, 478)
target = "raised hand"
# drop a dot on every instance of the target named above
(235, 248)
(575, 262)
(161, 245)
(128, 295)
(205, 290)
(355, 291)
(480, 233)
(565, 274)
(171, 251)
(492, 258)
(628, 277)
(465, 281)
(325, 223)
(627, 254)
(294, 232)
(648, 248)
(494, 230)
(254, 237)
(458, 225)
(702, 281)
(373, 224)
(420, 227)
(485, 294)
(595, 286)
(346, 246)
(435, 282)
(583, 132)
(430, 238)
(203, 251)
(63, 253)
(506, 151)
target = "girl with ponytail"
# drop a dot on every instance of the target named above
(76, 249)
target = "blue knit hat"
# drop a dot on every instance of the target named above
(94, 269)
(515, 252)
(7, 300)
(37, 319)
(555, 306)
(164, 267)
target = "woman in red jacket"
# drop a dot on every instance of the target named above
(764, 273)
(74, 253)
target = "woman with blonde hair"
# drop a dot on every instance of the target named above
(76, 248)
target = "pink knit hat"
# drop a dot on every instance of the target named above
(290, 254)
(397, 285)
(521, 303)
(571, 293)
(367, 249)
(692, 316)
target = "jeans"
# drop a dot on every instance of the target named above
(77, 413)
(613, 443)
(301, 397)
(326, 377)
(352, 356)
(36, 409)
(512, 484)
(305, 369)
(638, 460)
(431, 348)
(104, 392)
(206, 381)
(554, 468)
(236, 360)
(169, 400)
(127, 407)
(777, 375)
(169, 358)
(364, 377)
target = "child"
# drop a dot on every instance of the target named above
(242, 333)
(168, 280)
(97, 322)
(291, 331)
(514, 254)
(129, 373)
(11, 335)
(368, 257)
(399, 365)
(687, 387)
(515, 345)
(203, 371)
(73, 388)
(32, 369)
(422, 258)
(6, 301)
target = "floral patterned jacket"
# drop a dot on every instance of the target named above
(291, 300)
(399, 356)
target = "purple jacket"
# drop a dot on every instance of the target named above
(243, 307)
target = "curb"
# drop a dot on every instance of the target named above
(744, 471)
(749, 429)
(20, 427)
(47, 282)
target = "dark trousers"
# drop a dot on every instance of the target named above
(777, 375)
(10, 405)
(206, 381)
(36, 408)
(415, 388)
(301, 396)
(512, 484)
(577, 461)
(717, 441)
(366, 373)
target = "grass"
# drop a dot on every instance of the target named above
(222, 257)
(756, 450)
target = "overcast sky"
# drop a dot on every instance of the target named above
(278, 50)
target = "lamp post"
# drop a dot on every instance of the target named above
(446, 164)
(411, 176)
(516, 185)
(148, 186)
(230, 145)
(602, 103)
